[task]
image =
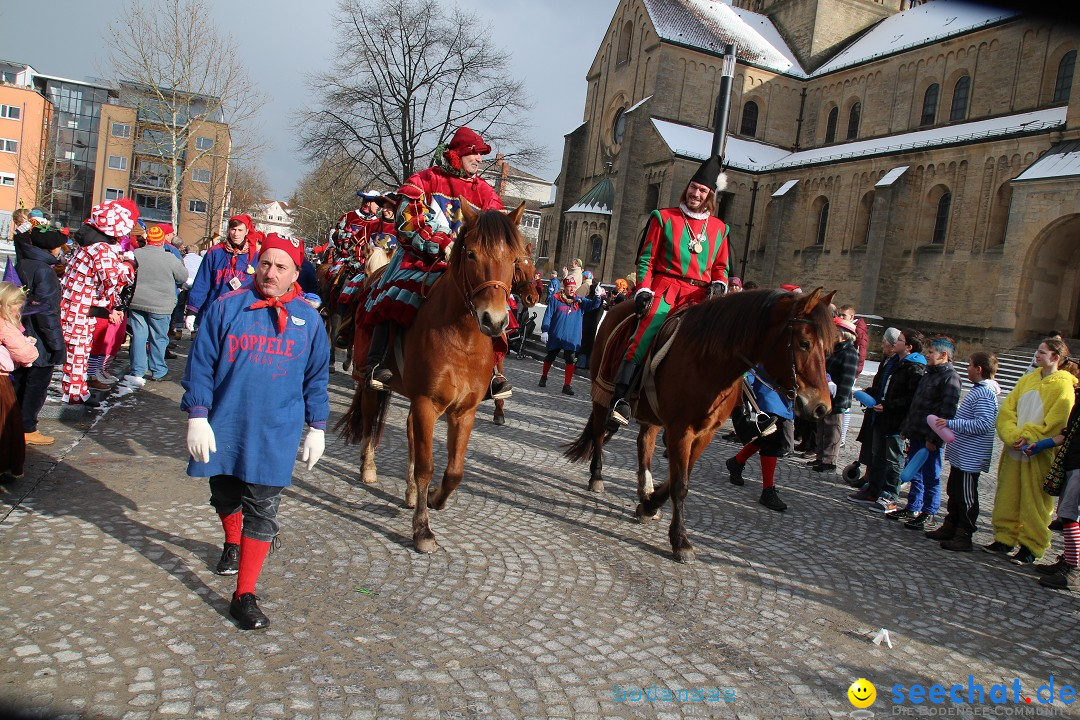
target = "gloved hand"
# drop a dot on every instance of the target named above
(200, 439)
(642, 300)
(600, 291)
(189, 323)
(1037, 447)
(832, 389)
(544, 337)
(717, 288)
(314, 445)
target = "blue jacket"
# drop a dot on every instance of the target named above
(35, 269)
(768, 399)
(975, 424)
(217, 269)
(562, 321)
(257, 387)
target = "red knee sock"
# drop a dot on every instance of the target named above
(233, 524)
(569, 374)
(1071, 531)
(547, 366)
(768, 471)
(252, 555)
(746, 453)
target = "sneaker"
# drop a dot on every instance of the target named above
(997, 547)
(1068, 579)
(133, 381)
(918, 522)
(900, 514)
(95, 384)
(945, 532)
(159, 379)
(229, 564)
(36, 438)
(380, 379)
(885, 504)
(1054, 568)
(567, 390)
(862, 496)
(735, 468)
(1022, 556)
(543, 381)
(500, 387)
(620, 412)
(245, 610)
(103, 377)
(961, 542)
(770, 499)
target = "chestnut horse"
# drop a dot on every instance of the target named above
(447, 362)
(696, 384)
(525, 288)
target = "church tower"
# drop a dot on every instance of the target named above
(816, 29)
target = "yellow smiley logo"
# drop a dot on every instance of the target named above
(862, 693)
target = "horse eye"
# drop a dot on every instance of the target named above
(804, 344)
(471, 255)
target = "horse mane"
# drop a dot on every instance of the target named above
(492, 231)
(738, 319)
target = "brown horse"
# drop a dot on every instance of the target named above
(443, 369)
(787, 334)
(334, 315)
(525, 288)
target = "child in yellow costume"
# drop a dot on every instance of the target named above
(1036, 409)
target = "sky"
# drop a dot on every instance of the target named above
(285, 44)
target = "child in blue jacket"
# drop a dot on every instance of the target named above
(772, 446)
(562, 323)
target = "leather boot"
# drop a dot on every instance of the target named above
(378, 376)
(620, 408)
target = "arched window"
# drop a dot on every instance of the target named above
(1065, 77)
(830, 125)
(624, 42)
(749, 119)
(961, 92)
(929, 105)
(596, 248)
(853, 121)
(618, 126)
(822, 224)
(941, 222)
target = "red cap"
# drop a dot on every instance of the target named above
(468, 142)
(293, 246)
(791, 288)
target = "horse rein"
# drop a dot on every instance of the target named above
(792, 392)
(469, 293)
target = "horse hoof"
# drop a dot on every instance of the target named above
(368, 478)
(596, 486)
(643, 516)
(684, 555)
(499, 419)
(425, 545)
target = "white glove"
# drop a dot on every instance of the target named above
(600, 291)
(314, 445)
(543, 337)
(832, 389)
(189, 323)
(200, 439)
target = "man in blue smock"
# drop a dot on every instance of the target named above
(257, 373)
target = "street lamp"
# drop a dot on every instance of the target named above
(723, 101)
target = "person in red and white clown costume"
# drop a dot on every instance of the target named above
(91, 287)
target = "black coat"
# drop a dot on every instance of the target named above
(589, 322)
(35, 269)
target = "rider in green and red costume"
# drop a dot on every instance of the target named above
(683, 259)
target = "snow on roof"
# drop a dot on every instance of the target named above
(1061, 160)
(922, 24)
(709, 25)
(638, 104)
(754, 156)
(599, 200)
(782, 190)
(891, 177)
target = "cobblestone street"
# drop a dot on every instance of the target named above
(543, 600)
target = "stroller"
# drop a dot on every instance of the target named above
(526, 324)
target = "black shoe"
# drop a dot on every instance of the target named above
(543, 381)
(771, 500)
(245, 610)
(1022, 556)
(997, 547)
(1056, 525)
(229, 564)
(170, 355)
(92, 402)
(620, 412)
(567, 390)
(500, 387)
(1054, 568)
(918, 522)
(901, 514)
(159, 379)
(945, 532)
(1067, 579)
(824, 467)
(380, 378)
(735, 468)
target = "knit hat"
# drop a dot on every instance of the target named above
(292, 246)
(735, 282)
(586, 275)
(156, 234)
(468, 142)
(791, 288)
(845, 325)
(114, 218)
(709, 174)
(891, 335)
(47, 238)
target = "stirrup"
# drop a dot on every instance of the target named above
(380, 378)
(500, 388)
(620, 412)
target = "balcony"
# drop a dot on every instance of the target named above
(155, 214)
(157, 150)
(150, 182)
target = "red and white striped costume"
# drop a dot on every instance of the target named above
(94, 278)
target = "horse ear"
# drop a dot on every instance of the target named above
(467, 213)
(805, 303)
(529, 250)
(515, 216)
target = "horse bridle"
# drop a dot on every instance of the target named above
(793, 391)
(471, 292)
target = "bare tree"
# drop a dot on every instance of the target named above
(248, 189)
(181, 74)
(408, 73)
(322, 196)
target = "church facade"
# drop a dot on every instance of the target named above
(924, 161)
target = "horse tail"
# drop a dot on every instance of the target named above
(351, 425)
(583, 448)
(380, 417)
